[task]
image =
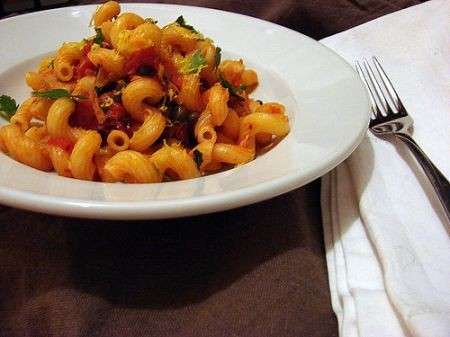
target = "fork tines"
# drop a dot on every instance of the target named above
(384, 100)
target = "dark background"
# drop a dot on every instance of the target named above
(255, 271)
(315, 18)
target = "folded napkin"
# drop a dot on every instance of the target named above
(386, 236)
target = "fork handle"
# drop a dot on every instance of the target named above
(437, 179)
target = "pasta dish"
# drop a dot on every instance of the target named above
(139, 103)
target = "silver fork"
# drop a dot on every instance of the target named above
(389, 117)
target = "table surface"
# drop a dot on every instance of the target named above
(255, 271)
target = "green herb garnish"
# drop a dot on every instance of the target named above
(99, 38)
(198, 157)
(56, 93)
(180, 20)
(193, 64)
(235, 91)
(8, 107)
(218, 56)
(151, 20)
(51, 64)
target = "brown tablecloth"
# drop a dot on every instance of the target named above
(255, 271)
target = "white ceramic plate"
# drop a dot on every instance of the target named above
(326, 103)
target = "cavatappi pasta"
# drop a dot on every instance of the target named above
(140, 103)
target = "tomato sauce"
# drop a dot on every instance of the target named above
(147, 57)
(84, 116)
(116, 119)
(61, 142)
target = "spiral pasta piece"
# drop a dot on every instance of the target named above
(189, 95)
(204, 128)
(217, 104)
(60, 161)
(148, 132)
(66, 57)
(131, 167)
(146, 35)
(34, 107)
(58, 118)
(232, 154)
(81, 159)
(105, 12)
(109, 60)
(260, 122)
(177, 160)
(137, 96)
(23, 149)
(117, 141)
(126, 21)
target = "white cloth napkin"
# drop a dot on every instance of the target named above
(387, 239)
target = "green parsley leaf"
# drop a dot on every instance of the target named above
(198, 157)
(56, 93)
(151, 20)
(193, 64)
(218, 56)
(235, 91)
(180, 20)
(8, 107)
(52, 94)
(99, 38)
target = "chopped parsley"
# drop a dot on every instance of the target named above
(99, 38)
(235, 91)
(8, 107)
(193, 64)
(56, 93)
(180, 20)
(198, 157)
(151, 20)
(218, 56)
(182, 23)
